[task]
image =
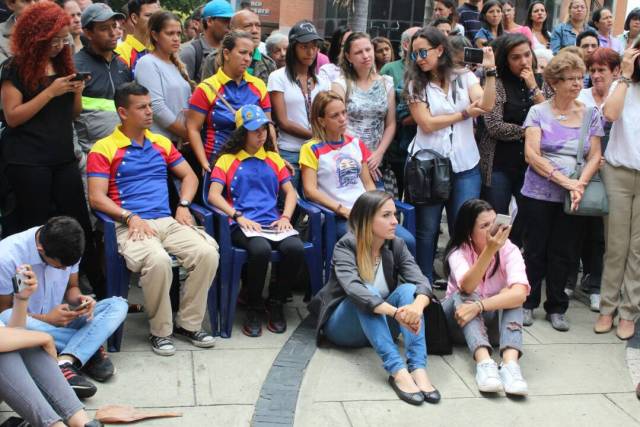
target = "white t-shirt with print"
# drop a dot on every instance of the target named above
(338, 166)
(461, 148)
(295, 104)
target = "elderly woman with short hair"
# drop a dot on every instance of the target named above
(277, 44)
(552, 134)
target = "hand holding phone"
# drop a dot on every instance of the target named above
(80, 306)
(81, 76)
(473, 55)
(501, 221)
(24, 282)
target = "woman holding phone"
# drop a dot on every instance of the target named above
(30, 381)
(41, 95)
(487, 286)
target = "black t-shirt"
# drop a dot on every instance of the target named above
(47, 138)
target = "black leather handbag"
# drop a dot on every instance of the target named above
(427, 181)
(436, 330)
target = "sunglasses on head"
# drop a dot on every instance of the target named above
(420, 54)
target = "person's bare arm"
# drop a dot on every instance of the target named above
(279, 110)
(194, 122)
(313, 193)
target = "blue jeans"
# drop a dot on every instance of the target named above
(401, 232)
(465, 186)
(293, 157)
(348, 326)
(82, 338)
(503, 186)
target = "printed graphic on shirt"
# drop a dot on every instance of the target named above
(347, 170)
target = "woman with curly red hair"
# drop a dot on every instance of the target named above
(40, 99)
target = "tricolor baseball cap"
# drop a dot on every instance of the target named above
(251, 117)
(217, 9)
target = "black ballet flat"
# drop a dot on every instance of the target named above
(411, 398)
(432, 396)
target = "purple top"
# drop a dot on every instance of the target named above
(559, 145)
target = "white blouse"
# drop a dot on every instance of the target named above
(460, 146)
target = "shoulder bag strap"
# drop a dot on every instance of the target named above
(224, 101)
(584, 134)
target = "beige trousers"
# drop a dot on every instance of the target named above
(196, 251)
(621, 276)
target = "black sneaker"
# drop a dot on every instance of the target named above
(277, 322)
(80, 385)
(252, 324)
(99, 367)
(199, 338)
(162, 345)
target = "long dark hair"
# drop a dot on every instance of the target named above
(528, 22)
(238, 140)
(503, 46)
(465, 222)
(414, 74)
(336, 44)
(290, 60)
(449, 4)
(483, 13)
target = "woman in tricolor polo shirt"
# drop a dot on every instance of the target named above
(253, 174)
(334, 164)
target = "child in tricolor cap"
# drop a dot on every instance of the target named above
(253, 175)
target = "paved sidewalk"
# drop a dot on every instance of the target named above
(575, 379)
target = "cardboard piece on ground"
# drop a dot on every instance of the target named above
(122, 414)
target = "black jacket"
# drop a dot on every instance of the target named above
(398, 266)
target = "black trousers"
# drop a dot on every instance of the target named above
(45, 191)
(551, 248)
(259, 253)
(593, 254)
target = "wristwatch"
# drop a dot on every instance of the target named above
(184, 203)
(236, 215)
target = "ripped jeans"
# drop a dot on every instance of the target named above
(503, 327)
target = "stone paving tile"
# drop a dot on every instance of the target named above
(548, 411)
(231, 376)
(562, 369)
(343, 375)
(327, 414)
(628, 402)
(581, 320)
(148, 380)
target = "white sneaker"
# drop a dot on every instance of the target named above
(595, 302)
(487, 377)
(569, 292)
(512, 380)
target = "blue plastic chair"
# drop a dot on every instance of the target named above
(232, 259)
(330, 237)
(117, 274)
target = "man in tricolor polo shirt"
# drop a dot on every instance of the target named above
(128, 181)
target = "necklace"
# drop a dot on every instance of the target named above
(562, 115)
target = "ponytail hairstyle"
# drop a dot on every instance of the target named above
(361, 224)
(157, 23)
(318, 109)
(345, 66)
(229, 42)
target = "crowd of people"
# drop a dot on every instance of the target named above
(132, 113)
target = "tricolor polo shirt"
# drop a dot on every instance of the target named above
(338, 166)
(131, 50)
(252, 183)
(137, 173)
(220, 121)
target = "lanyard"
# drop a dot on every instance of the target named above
(306, 96)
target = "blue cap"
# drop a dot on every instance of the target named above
(251, 117)
(217, 9)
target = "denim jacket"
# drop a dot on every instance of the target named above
(563, 36)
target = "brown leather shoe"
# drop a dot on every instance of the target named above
(604, 324)
(638, 391)
(626, 329)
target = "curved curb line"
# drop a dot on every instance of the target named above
(276, 405)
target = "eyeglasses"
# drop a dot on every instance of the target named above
(57, 42)
(574, 79)
(421, 54)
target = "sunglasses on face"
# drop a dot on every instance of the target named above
(420, 54)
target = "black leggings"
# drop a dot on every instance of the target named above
(45, 191)
(259, 249)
